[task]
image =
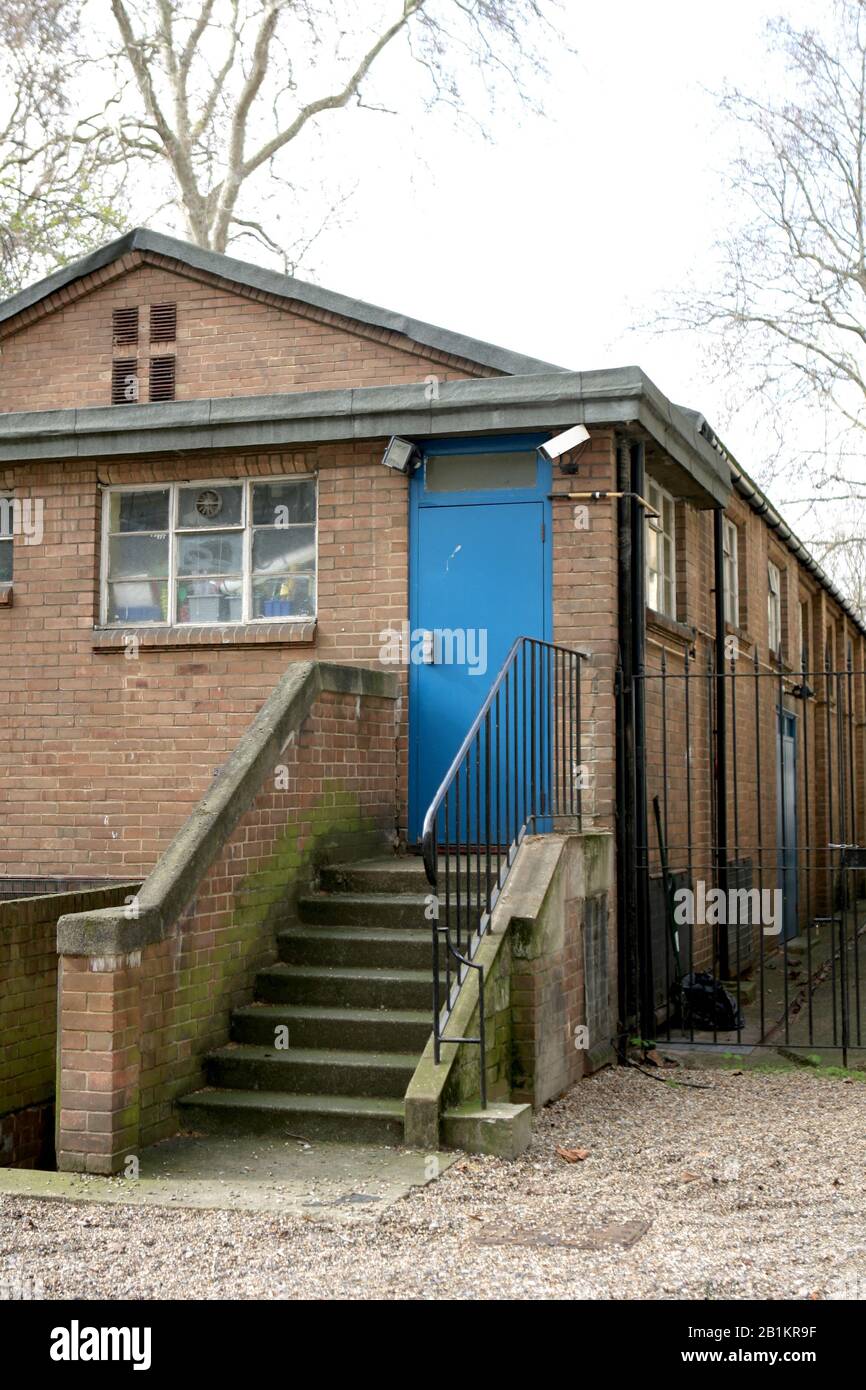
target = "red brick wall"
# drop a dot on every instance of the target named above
(28, 1017)
(101, 757)
(134, 1031)
(751, 770)
(230, 342)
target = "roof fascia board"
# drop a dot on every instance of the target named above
(472, 406)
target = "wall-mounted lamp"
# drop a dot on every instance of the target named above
(566, 448)
(401, 454)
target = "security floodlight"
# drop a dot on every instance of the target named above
(569, 442)
(401, 454)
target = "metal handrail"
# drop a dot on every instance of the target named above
(524, 745)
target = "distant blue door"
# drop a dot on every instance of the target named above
(480, 578)
(786, 821)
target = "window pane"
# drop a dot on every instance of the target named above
(218, 553)
(7, 516)
(141, 602)
(289, 597)
(478, 472)
(284, 504)
(203, 505)
(209, 601)
(652, 549)
(279, 551)
(653, 591)
(138, 511)
(138, 557)
(5, 562)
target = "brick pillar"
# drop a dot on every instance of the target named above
(98, 1062)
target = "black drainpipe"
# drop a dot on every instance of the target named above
(637, 1004)
(625, 844)
(638, 646)
(721, 855)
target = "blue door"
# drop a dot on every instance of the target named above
(786, 821)
(479, 579)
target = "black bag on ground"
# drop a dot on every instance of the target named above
(705, 1004)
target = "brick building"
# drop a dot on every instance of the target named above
(191, 457)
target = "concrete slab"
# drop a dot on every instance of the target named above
(337, 1182)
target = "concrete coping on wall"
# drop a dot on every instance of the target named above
(45, 907)
(168, 888)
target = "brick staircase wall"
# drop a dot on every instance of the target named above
(145, 994)
(28, 1018)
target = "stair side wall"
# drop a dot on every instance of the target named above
(134, 1029)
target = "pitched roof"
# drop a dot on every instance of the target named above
(285, 287)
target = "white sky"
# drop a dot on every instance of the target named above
(568, 230)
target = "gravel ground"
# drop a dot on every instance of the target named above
(751, 1187)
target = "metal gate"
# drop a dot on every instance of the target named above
(745, 810)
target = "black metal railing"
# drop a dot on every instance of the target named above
(785, 928)
(518, 770)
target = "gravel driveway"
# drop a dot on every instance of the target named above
(753, 1186)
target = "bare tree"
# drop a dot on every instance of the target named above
(61, 188)
(787, 318)
(223, 91)
(841, 550)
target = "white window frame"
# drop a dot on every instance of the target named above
(803, 650)
(774, 608)
(731, 571)
(8, 537)
(657, 496)
(246, 529)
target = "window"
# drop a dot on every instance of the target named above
(731, 567)
(7, 521)
(804, 635)
(660, 552)
(222, 552)
(774, 609)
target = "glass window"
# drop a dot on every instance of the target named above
(138, 556)
(224, 552)
(661, 552)
(479, 472)
(7, 522)
(774, 609)
(283, 554)
(731, 566)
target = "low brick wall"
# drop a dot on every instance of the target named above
(143, 1001)
(28, 1018)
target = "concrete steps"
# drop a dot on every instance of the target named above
(308, 1071)
(329, 1046)
(355, 1119)
(356, 986)
(373, 947)
(398, 1030)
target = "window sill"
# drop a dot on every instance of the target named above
(671, 627)
(297, 634)
(5, 595)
